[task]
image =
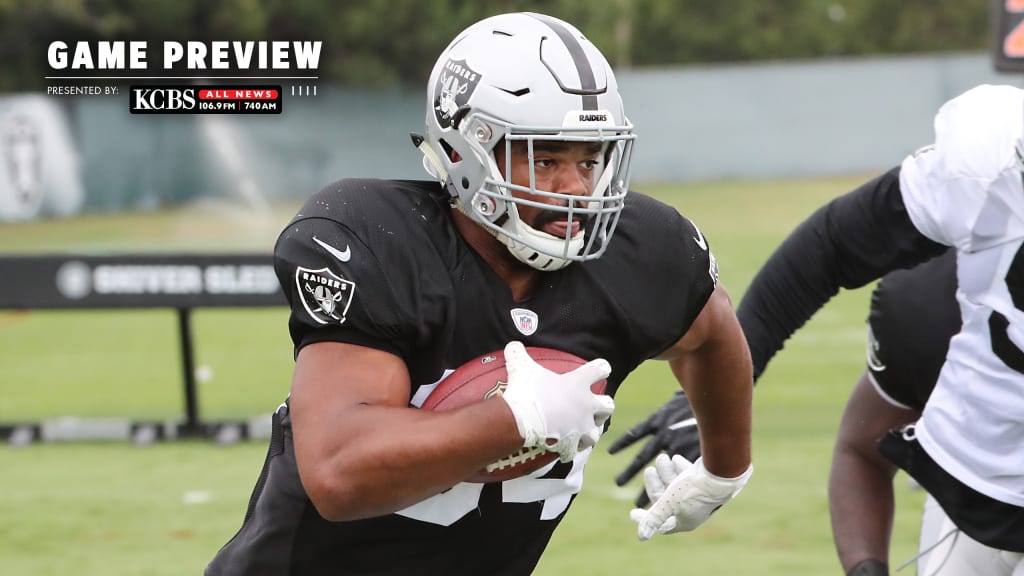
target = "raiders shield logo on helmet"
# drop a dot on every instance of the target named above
(325, 295)
(454, 87)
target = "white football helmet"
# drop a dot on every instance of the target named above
(526, 77)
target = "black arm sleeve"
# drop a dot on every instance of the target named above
(851, 241)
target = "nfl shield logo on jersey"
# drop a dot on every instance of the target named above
(526, 320)
(324, 294)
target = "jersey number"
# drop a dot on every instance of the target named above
(554, 490)
(998, 325)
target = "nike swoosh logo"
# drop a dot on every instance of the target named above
(699, 239)
(343, 255)
(683, 424)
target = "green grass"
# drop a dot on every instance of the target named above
(114, 509)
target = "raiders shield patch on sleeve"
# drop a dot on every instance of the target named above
(324, 294)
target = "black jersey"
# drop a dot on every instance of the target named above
(913, 315)
(378, 263)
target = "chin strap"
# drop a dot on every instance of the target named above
(522, 252)
(534, 258)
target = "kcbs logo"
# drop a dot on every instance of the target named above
(202, 99)
(161, 100)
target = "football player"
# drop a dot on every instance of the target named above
(914, 314)
(967, 447)
(393, 284)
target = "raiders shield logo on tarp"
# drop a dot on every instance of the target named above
(325, 295)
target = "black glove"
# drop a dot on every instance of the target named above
(673, 430)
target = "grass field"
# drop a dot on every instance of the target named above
(115, 509)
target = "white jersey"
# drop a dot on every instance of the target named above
(966, 191)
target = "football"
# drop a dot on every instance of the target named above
(485, 377)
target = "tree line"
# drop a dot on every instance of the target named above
(380, 43)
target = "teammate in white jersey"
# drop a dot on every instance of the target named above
(967, 449)
(965, 191)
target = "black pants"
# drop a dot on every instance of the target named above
(989, 521)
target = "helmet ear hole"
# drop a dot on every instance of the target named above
(450, 152)
(459, 115)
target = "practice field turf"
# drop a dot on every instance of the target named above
(113, 509)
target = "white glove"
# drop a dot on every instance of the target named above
(684, 495)
(556, 411)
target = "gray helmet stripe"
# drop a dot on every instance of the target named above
(588, 85)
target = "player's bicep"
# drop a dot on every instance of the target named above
(712, 351)
(350, 374)
(333, 379)
(866, 418)
(716, 320)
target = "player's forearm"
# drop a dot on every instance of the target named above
(386, 458)
(861, 505)
(717, 378)
(860, 484)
